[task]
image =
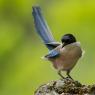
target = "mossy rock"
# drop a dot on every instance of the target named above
(65, 86)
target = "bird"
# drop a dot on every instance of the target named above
(63, 55)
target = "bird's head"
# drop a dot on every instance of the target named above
(68, 39)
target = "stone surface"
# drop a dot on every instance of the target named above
(65, 86)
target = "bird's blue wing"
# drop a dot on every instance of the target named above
(53, 44)
(52, 54)
(42, 27)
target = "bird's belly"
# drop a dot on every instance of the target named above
(64, 64)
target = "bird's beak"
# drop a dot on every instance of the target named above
(63, 44)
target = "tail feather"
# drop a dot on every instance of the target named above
(41, 26)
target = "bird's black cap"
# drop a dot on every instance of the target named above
(68, 39)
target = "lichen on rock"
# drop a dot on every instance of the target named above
(65, 86)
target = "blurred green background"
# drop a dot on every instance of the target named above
(21, 68)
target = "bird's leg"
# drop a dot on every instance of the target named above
(68, 74)
(59, 73)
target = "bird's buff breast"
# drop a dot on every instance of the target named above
(67, 61)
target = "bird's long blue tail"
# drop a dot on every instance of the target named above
(42, 27)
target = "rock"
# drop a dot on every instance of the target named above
(65, 86)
